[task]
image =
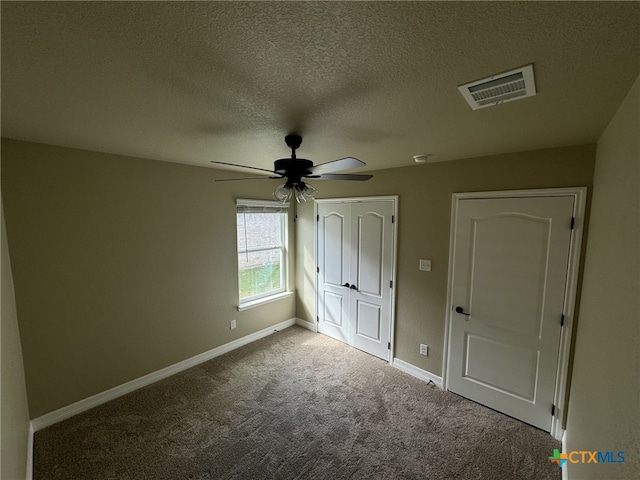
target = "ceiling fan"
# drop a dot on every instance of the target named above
(296, 170)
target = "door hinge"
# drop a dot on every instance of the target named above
(390, 283)
(553, 409)
(393, 219)
(317, 218)
(317, 319)
(562, 320)
(573, 222)
(317, 269)
(388, 345)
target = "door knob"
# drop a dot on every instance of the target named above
(461, 311)
(353, 287)
(346, 285)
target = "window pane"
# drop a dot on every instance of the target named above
(262, 230)
(259, 272)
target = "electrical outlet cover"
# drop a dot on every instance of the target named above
(425, 265)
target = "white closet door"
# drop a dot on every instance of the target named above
(372, 254)
(355, 255)
(333, 258)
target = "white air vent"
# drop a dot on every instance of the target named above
(505, 87)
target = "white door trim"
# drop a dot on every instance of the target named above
(580, 195)
(394, 199)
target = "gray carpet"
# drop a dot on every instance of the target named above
(294, 405)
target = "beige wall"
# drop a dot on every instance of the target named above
(122, 266)
(604, 404)
(423, 231)
(14, 411)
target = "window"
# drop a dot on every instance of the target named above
(262, 244)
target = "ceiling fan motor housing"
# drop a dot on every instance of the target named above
(293, 169)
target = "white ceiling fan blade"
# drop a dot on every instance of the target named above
(246, 178)
(242, 166)
(342, 176)
(336, 165)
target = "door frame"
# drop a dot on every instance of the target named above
(394, 257)
(579, 194)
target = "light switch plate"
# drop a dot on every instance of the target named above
(425, 265)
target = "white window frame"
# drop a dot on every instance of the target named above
(267, 206)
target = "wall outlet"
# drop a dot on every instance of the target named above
(424, 350)
(425, 265)
(233, 324)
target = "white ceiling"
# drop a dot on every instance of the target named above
(194, 82)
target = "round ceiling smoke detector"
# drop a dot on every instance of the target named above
(422, 158)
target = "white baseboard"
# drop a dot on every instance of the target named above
(83, 405)
(29, 475)
(565, 470)
(305, 324)
(557, 431)
(417, 372)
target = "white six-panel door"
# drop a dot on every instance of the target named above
(509, 272)
(355, 255)
(334, 273)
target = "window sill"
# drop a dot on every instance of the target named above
(262, 301)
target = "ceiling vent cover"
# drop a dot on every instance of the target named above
(505, 87)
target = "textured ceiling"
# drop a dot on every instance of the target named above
(193, 82)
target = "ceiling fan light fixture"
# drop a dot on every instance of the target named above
(302, 191)
(283, 193)
(305, 192)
